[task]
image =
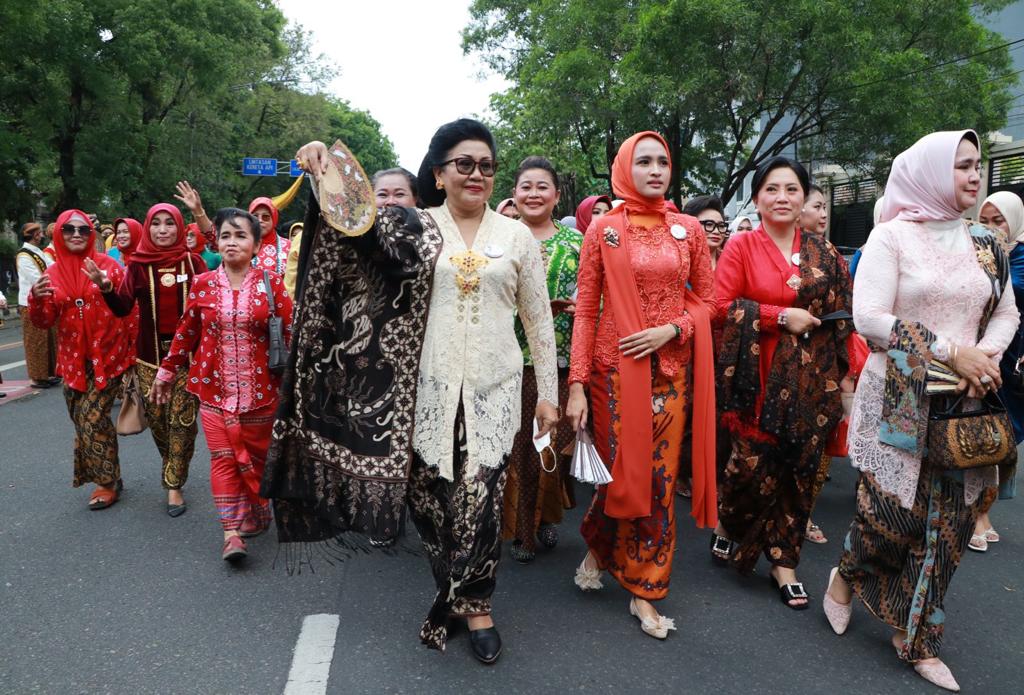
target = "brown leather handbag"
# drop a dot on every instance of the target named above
(959, 440)
(132, 418)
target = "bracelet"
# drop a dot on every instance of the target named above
(954, 350)
(782, 318)
(679, 331)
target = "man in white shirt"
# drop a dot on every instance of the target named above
(40, 343)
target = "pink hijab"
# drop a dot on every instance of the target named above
(920, 185)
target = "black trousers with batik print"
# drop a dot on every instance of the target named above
(766, 497)
(900, 561)
(459, 522)
(96, 458)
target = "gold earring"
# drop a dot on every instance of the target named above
(440, 186)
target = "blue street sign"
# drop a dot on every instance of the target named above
(259, 166)
(294, 170)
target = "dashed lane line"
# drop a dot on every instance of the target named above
(314, 651)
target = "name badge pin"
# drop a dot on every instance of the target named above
(494, 251)
(795, 259)
(678, 231)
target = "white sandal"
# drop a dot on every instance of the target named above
(991, 536)
(657, 628)
(978, 543)
(588, 579)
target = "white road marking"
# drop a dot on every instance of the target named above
(314, 650)
(12, 365)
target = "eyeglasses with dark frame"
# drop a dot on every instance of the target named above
(710, 226)
(466, 165)
(70, 229)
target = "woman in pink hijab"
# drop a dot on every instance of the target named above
(930, 286)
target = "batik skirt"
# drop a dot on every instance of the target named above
(900, 561)
(766, 497)
(638, 552)
(539, 488)
(173, 425)
(95, 453)
(238, 451)
(40, 348)
(459, 522)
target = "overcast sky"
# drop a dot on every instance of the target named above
(386, 47)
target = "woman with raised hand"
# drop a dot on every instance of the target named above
(94, 348)
(226, 325)
(779, 369)
(929, 287)
(158, 278)
(1003, 212)
(435, 294)
(642, 346)
(539, 487)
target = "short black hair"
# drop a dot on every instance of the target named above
(448, 136)
(698, 204)
(778, 162)
(815, 188)
(400, 171)
(536, 162)
(230, 215)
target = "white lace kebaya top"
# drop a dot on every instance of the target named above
(926, 272)
(470, 345)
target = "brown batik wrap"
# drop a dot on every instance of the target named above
(95, 453)
(341, 450)
(174, 425)
(768, 485)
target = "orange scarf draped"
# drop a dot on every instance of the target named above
(629, 493)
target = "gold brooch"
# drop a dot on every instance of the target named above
(611, 237)
(987, 260)
(467, 271)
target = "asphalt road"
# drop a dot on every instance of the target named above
(128, 600)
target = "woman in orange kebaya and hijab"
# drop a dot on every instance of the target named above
(642, 345)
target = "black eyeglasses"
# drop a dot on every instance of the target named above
(466, 165)
(70, 229)
(710, 226)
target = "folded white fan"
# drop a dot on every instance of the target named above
(587, 466)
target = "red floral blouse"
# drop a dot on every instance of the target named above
(662, 266)
(227, 330)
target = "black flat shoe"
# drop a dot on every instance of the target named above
(486, 644)
(721, 549)
(176, 510)
(520, 554)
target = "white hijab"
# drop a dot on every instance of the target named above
(1011, 207)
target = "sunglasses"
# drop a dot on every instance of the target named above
(70, 230)
(466, 165)
(710, 226)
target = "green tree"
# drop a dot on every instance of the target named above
(732, 82)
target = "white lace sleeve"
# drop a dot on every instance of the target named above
(534, 309)
(1002, 326)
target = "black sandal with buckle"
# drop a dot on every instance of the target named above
(792, 592)
(721, 548)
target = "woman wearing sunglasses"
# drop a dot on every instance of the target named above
(93, 350)
(433, 296)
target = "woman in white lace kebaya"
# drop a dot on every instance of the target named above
(929, 286)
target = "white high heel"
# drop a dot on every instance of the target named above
(588, 579)
(657, 628)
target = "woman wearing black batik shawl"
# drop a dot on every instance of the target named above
(381, 406)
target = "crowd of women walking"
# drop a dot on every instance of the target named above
(431, 358)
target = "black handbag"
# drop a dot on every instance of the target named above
(277, 353)
(959, 440)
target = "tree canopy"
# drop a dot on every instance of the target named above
(105, 104)
(730, 83)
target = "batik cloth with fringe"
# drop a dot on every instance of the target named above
(341, 450)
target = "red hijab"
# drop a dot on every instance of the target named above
(66, 273)
(134, 231)
(274, 214)
(585, 211)
(629, 493)
(148, 252)
(194, 228)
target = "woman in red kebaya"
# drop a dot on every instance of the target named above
(93, 350)
(157, 278)
(642, 343)
(226, 326)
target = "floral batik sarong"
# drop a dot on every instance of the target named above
(40, 348)
(95, 436)
(173, 425)
(238, 451)
(639, 552)
(900, 561)
(459, 522)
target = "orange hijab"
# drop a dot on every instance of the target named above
(629, 493)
